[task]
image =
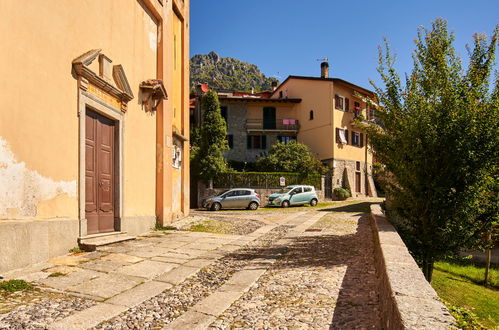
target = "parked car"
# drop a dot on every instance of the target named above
(294, 195)
(233, 199)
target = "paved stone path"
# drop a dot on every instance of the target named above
(302, 269)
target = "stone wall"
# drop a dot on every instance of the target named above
(407, 300)
(344, 176)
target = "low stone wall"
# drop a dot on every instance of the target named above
(204, 192)
(407, 300)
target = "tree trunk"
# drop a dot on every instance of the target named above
(487, 262)
(428, 269)
(210, 183)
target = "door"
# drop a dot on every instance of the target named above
(269, 121)
(357, 182)
(243, 198)
(296, 196)
(99, 173)
(230, 199)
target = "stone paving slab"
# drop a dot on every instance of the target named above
(107, 285)
(191, 320)
(67, 282)
(177, 275)
(139, 293)
(89, 317)
(120, 257)
(216, 303)
(147, 269)
(104, 266)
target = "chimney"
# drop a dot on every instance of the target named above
(274, 85)
(324, 70)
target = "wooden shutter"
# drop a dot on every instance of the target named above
(361, 140)
(347, 104)
(337, 101)
(264, 141)
(338, 135)
(346, 135)
(248, 142)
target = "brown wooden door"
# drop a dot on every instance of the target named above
(357, 182)
(99, 173)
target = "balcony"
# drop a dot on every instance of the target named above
(269, 126)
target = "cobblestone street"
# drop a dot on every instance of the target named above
(296, 268)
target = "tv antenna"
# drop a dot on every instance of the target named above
(324, 59)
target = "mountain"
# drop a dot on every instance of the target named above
(225, 73)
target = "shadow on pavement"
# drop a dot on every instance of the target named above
(357, 304)
(357, 207)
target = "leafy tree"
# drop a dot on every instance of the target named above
(208, 159)
(439, 142)
(291, 157)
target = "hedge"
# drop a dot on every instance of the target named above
(264, 180)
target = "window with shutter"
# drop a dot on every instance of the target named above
(264, 142)
(347, 104)
(346, 135)
(361, 140)
(338, 135)
(248, 142)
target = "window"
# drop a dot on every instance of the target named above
(280, 94)
(341, 136)
(223, 111)
(357, 139)
(285, 139)
(298, 190)
(311, 115)
(244, 193)
(341, 103)
(256, 142)
(307, 189)
(177, 156)
(230, 140)
(370, 112)
(356, 109)
(357, 166)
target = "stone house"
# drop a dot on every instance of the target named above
(93, 125)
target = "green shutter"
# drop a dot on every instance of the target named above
(248, 141)
(264, 141)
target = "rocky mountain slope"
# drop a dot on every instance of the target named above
(225, 73)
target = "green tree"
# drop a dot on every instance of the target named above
(291, 157)
(439, 141)
(208, 159)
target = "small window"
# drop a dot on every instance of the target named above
(223, 111)
(307, 189)
(311, 115)
(356, 139)
(298, 190)
(341, 136)
(232, 193)
(280, 94)
(245, 193)
(357, 166)
(230, 141)
(341, 103)
(256, 142)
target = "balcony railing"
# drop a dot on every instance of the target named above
(278, 125)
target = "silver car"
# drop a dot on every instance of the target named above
(233, 199)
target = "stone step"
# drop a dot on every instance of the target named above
(91, 242)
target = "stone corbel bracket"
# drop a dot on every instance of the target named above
(152, 92)
(120, 89)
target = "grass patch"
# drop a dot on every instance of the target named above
(213, 226)
(76, 250)
(57, 274)
(164, 228)
(466, 268)
(463, 293)
(15, 285)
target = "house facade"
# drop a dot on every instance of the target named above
(94, 121)
(326, 114)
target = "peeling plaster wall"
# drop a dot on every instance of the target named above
(24, 191)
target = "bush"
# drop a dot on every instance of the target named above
(267, 180)
(342, 193)
(15, 285)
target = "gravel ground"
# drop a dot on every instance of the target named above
(223, 225)
(34, 308)
(165, 307)
(326, 280)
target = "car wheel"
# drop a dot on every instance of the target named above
(216, 207)
(285, 204)
(253, 206)
(313, 202)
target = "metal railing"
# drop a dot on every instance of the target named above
(291, 125)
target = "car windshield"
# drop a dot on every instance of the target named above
(223, 192)
(285, 190)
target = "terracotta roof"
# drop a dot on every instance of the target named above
(258, 99)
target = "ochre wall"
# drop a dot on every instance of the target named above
(38, 119)
(344, 120)
(283, 110)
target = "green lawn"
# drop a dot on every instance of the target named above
(469, 270)
(462, 292)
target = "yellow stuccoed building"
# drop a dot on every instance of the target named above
(93, 123)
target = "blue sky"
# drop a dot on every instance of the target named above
(286, 37)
